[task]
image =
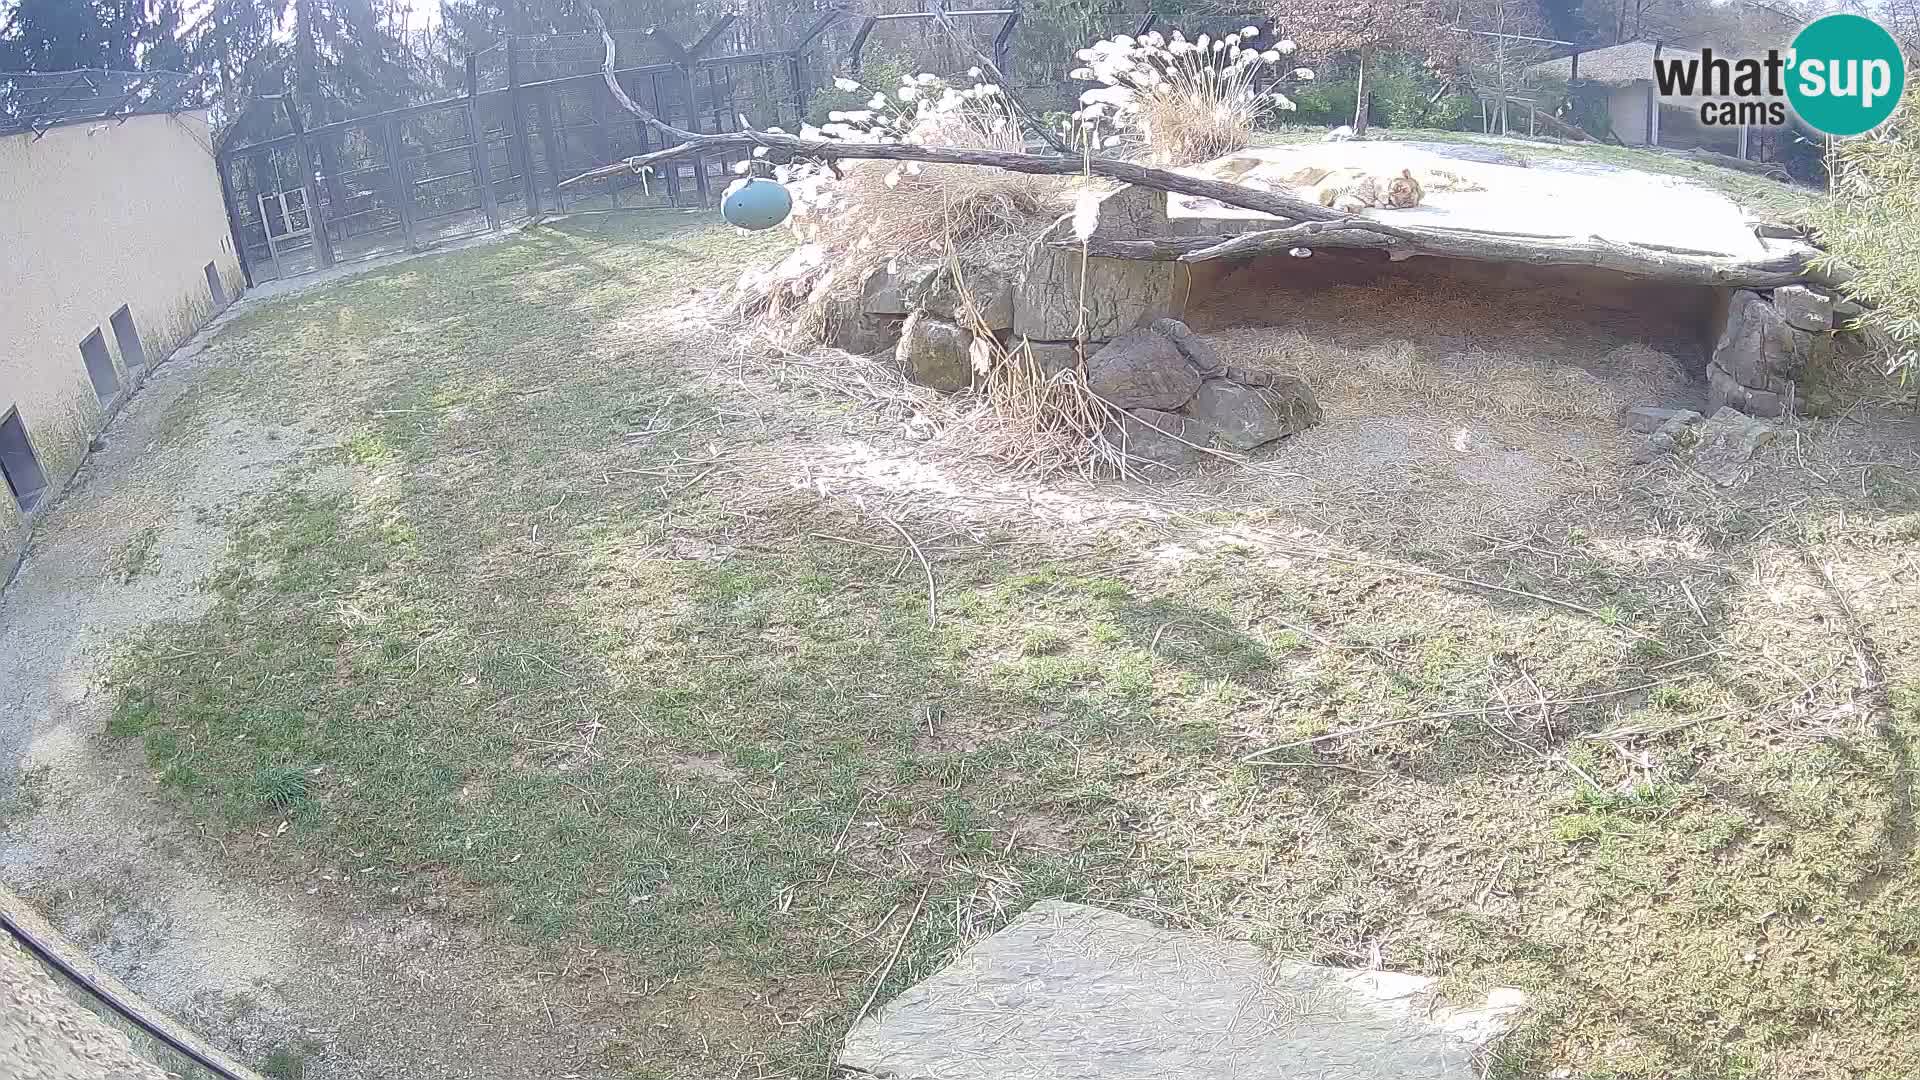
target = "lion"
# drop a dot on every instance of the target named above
(1355, 189)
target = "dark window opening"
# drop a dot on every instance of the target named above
(18, 463)
(216, 287)
(106, 381)
(127, 336)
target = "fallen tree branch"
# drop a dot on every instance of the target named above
(1560, 127)
(664, 129)
(690, 142)
(1791, 263)
(1285, 207)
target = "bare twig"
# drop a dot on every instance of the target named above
(905, 932)
(932, 613)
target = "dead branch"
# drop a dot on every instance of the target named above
(1285, 207)
(1791, 263)
(689, 142)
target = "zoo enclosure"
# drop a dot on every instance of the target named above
(536, 111)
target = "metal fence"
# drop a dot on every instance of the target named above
(37, 100)
(426, 174)
(537, 112)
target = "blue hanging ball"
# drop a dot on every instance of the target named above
(756, 204)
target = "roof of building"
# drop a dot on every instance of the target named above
(38, 100)
(1615, 65)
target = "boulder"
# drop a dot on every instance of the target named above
(1141, 369)
(934, 352)
(880, 294)
(1727, 442)
(1803, 308)
(1162, 438)
(851, 328)
(891, 290)
(1053, 357)
(1242, 417)
(1192, 346)
(1757, 344)
(1673, 434)
(990, 290)
(1120, 294)
(1647, 418)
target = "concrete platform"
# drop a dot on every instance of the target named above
(1516, 199)
(1071, 992)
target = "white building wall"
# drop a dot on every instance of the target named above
(94, 216)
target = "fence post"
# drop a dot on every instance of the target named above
(693, 124)
(478, 156)
(397, 175)
(1003, 49)
(544, 101)
(223, 161)
(316, 216)
(799, 65)
(672, 167)
(520, 150)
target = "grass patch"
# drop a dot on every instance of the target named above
(135, 556)
(23, 794)
(574, 640)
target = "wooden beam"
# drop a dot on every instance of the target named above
(1788, 264)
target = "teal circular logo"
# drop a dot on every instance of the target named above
(1845, 75)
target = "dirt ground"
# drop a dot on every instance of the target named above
(488, 669)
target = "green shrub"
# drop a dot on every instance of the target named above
(878, 74)
(1869, 225)
(1402, 94)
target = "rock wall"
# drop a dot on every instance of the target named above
(1759, 344)
(1766, 344)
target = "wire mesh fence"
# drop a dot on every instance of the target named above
(538, 112)
(36, 101)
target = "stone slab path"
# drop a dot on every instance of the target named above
(1072, 992)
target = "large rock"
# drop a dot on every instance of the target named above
(1142, 369)
(1803, 308)
(1054, 357)
(1757, 345)
(1727, 442)
(1072, 992)
(851, 328)
(936, 353)
(1163, 438)
(1243, 417)
(1120, 294)
(891, 290)
(990, 291)
(1649, 418)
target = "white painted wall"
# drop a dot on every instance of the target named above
(1627, 112)
(92, 216)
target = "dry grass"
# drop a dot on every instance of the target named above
(1353, 381)
(876, 215)
(674, 694)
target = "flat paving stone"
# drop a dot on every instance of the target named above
(1072, 992)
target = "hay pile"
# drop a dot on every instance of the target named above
(874, 215)
(1395, 374)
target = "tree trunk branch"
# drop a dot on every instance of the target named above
(1286, 207)
(1789, 265)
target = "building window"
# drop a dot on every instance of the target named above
(93, 352)
(18, 464)
(127, 336)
